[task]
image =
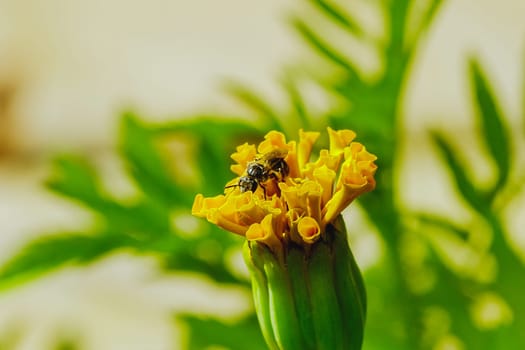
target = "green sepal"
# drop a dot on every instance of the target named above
(260, 296)
(311, 297)
(283, 316)
(349, 287)
(327, 321)
(296, 262)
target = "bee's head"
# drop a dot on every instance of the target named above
(247, 183)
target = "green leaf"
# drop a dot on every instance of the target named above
(492, 123)
(426, 19)
(75, 178)
(338, 16)
(442, 223)
(240, 335)
(46, 254)
(463, 184)
(147, 167)
(213, 165)
(203, 253)
(324, 48)
(431, 11)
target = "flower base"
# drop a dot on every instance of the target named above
(309, 296)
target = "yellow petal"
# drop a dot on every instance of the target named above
(304, 148)
(358, 168)
(201, 205)
(308, 229)
(227, 223)
(254, 211)
(327, 159)
(244, 153)
(264, 232)
(325, 177)
(292, 161)
(339, 139)
(341, 199)
(304, 198)
(357, 151)
(295, 194)
(272, 141)
(356, 178)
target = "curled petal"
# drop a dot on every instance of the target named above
(293, 216)
(304, 148)
(227, 223)
(244, 153)
(327, 159)
(339, 140)
(358, 168)
(296, 195)
(325, 177)
(308, 229)
(264, 232)
(292, 160)
(249, 212)
(341, 199)
(272, 141)
(357, 151)
(202, 206)
(355, 179)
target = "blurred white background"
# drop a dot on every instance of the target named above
(67, 68)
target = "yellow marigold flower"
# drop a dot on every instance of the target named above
(278, 207)
(307, 288)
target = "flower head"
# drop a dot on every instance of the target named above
(307, 288)
(295, 205)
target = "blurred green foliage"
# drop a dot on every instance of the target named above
(400, 316)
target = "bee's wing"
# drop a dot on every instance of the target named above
(276, 153)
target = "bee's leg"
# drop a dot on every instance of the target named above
(264, 190)
(277, 175)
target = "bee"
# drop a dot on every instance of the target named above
(268, 166)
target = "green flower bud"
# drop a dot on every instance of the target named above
(309, 296)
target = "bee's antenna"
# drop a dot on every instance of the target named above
(232, 186)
